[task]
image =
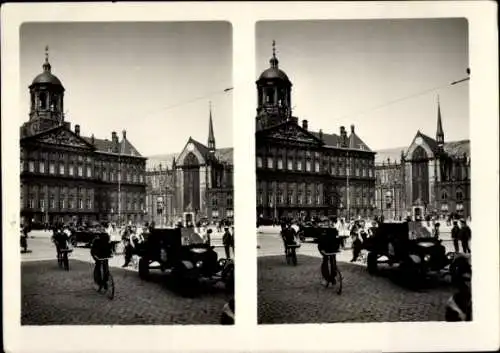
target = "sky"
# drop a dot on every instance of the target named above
(347, 72)
(154, 80)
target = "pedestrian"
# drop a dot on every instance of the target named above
(465, 236)
(208, 237)
(24, 238)
(435, 231)
(356, 242)
(455, 233)
(226, 241)
(128, 247)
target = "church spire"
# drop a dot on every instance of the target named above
(211, 137)
(439, 131)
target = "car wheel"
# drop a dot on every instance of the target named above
(74, 243)
(371, 262)
(143, 268)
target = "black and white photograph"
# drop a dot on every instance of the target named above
(126, 173)
(354, 146)
(363, 171)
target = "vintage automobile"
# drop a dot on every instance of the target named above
(183, 254)
(412, 248)
(85, 234)
(313, 231)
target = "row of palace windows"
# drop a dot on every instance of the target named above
(459, 195)
(354, 190)
(339, 169)
(229, 201)
(307, 198)
(78, 203)
(81, 171)
(59, 157)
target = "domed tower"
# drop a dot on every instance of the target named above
(273, 95)
(47, 93)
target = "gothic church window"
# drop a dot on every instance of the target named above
(460, 195)
(444, 195)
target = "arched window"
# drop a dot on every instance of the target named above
(191, 160)
(43, 100)
(419, 154)
(444, 195)
(459, 195)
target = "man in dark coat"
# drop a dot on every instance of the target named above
(227, 241)
(455, 233)
(328, 245)
(465, 235)
(100, 250)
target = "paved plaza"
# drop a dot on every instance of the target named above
(52, 296)
(293, 294)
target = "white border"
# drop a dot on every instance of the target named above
(482, 334)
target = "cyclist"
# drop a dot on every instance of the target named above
(328, 245)
(60, 238)
(100, 250)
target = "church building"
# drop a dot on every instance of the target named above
(429, 178)
(193, 185)
(302, 173)
(70, 178)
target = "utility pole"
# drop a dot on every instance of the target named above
(119, 187)
(347, 186)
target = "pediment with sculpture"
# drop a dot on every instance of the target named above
(63, 137)
(290, 131)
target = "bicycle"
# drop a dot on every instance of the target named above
(336, 279)
(62, 258)
(109, 284)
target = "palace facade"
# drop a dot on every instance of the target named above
(70, 178)
(303, 173)
(431, 177)
(193, 185)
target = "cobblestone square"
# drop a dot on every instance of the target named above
(52, 296)
(293, 294)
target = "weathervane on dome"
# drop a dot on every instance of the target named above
(46, 65)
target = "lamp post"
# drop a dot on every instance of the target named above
(348, 170)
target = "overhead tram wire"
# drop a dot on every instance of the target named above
(448, 85)
(207, 96)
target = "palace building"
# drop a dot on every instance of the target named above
(303, 173)
(193, 185)
(70, 178)
(431, 177)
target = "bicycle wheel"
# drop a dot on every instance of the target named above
(338, 282)
(60, 260)
(66, 261)
(110, 290)
(96, 280)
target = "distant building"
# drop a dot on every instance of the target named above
(66, 177)
(193, 185)
(303, 173)
(431, 177)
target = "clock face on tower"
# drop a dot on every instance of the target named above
(418, 140)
